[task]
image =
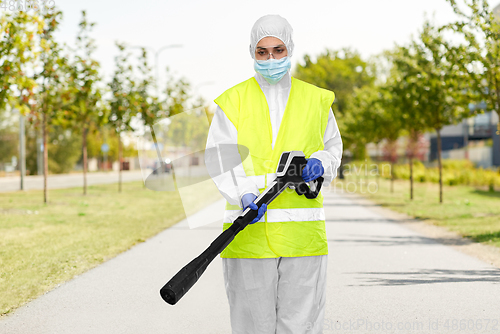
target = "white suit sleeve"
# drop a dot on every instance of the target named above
(331, 155)
(223, 131)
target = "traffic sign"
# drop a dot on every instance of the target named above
(105, 148)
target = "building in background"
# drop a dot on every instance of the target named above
(475, 139)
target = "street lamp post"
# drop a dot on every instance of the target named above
(22, 150)
(157, 54)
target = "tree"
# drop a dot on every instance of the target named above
(87, 107)
(392, 116)
(361, 121)
(9, 138)
(17, 54)
(481, 29)
(437, 86)
(342, 72)
(149, 106)
(185, 131)
(405, 88)
(390, 154)
(373, 118)
(123, 103)
(447, 90)
(63, 145)
(54, 94)
(28, 45)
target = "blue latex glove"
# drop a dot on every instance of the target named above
(313, 170)
(247, 201)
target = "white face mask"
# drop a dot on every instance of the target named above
(272, 69)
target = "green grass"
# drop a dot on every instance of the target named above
(42, 246)
(471, 212)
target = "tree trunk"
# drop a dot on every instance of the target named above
(392, 177)
(377, 177)
(120, 153)
(412, 150)
(45, 159)
(440, 167)
(378, 166)
(84, 150)
(378, 152)
(466, 139)
(411, 177)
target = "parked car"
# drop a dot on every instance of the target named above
(165, 167)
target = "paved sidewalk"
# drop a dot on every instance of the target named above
(58, 181)
(382, 277)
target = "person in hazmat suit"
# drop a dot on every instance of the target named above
(275, 269)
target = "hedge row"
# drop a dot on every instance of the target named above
(455, 172)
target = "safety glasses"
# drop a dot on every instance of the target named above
(264, 53)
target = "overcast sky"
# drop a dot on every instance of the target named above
(215, 34)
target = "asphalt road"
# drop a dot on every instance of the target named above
(382, 278)
(11, 183)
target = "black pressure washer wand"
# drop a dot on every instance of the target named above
(289, 174)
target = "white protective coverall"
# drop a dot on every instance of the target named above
(283, 294)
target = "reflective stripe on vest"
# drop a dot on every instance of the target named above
(282, 215)
(293, 224)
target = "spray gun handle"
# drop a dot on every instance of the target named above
(310, 192)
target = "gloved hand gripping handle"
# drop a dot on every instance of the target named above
(289, 174)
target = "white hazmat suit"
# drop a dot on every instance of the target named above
(282, 294)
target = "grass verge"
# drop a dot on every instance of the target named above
(469, 211)
(41, 246)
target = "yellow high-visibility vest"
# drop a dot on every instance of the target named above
(293, 225)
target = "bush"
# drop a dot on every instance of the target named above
(457, 164)
(454, 172)
(65, 148)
